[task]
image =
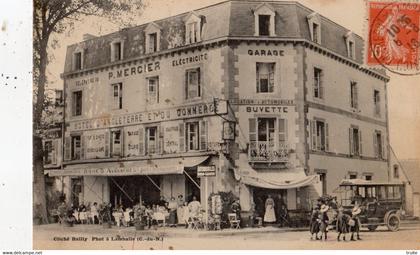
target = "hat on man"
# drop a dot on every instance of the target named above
(356, 210)
(324, 208)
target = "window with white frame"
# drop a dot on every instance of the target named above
(353, 95)
(267, 137)
(319, 135)
(318, 86)
(116, 143)
(264, 19)
(193, 83)
(116, 51)
(76, 147)
(152, 34)
(48, 152)
(265, 77)
(355, 141)
(117, 96)
(314, 22)
(77, 60)
(378, 144)
(153, 90)
(352, 175)
(377, 102)
(192, 130)
(351, 46)
(77, 103)
(192, 28)
(151, 140)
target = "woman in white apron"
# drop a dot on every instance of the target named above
(269, 215)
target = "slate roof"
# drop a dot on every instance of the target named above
(233, 18)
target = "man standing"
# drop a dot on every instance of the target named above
(355, 217)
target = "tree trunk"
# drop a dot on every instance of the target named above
(39, 194)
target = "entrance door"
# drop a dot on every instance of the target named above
(76, 191)
(260, 195)
(190, 188)
(127, 190)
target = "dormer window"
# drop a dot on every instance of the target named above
(78, 60)
(350, 44)
(152, 38)
(116, 51)
(314, 22)
(192, 29)
(264, 16)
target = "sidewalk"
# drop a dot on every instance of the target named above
(160, 231)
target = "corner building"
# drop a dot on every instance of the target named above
(148, 106)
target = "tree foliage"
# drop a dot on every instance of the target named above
(54, 17)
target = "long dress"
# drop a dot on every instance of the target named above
(269, 215)
(179, 211)
(172, 212)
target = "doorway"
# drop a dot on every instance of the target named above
(260, 195)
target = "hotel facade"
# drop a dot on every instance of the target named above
(257, 98)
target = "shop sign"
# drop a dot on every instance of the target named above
(252, 101)
(206, 171)
(267, 109)
(188, 60)
(135, 70)
(87, 81)
(268, 53)
(229, 130)
(181, 112)
(95, 144)
(132, 141)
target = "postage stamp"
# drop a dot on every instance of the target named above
(394, 41)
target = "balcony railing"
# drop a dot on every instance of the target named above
(267, 152)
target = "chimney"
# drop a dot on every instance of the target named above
(88, 37)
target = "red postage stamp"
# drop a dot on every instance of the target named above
(394, 41)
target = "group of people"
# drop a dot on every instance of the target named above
(173, 212)
(81, 214)
(344, 223)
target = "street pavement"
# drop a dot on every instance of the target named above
(55, 236)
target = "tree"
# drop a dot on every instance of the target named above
(53, 17)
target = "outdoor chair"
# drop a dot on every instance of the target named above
(233, 221)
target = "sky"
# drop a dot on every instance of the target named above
(403, 91)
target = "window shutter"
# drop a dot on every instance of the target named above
(271, 77)
(282, 131)
(351, 149)
(375, 145)
(384, 151)
(186, 84)
(360, 142)
(107, 143)
(187, 33)
(252, 130)
(257, 78)
(313, 134)
(356, 101)
(182, 137)
(203, 135)
(327, 139)
(82, 147)
(54, 153)
(321, 85)
(161, 139)
(67, 148)
(141, 141)
(157, 89)
(122, 142)
(199, 82)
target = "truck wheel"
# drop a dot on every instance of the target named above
(372, 227)
(393, 222)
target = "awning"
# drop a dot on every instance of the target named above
(144, 167)
(261, 182)
(274, 178)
